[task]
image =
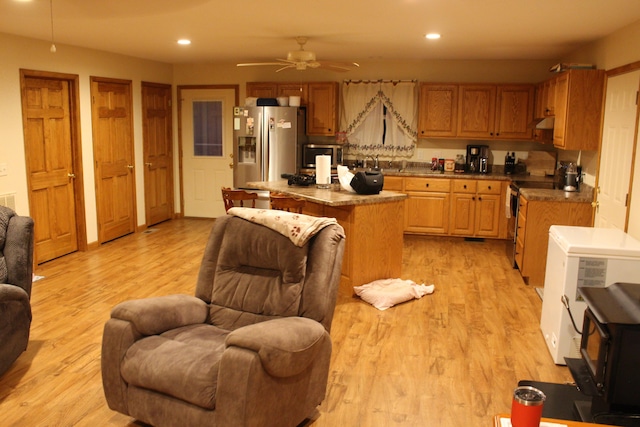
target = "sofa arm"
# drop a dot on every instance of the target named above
(152, 316)
(286, 346)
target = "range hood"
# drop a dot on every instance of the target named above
(542, 123)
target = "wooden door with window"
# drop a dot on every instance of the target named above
(113, 153)
(50, 118)
(206, 138)
(157, 152)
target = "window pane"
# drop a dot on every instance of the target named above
(207, 128)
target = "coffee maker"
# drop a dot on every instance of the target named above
(478, 158)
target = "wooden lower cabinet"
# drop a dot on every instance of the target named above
(457, 207)
(534, 219)
(427, 207)
(476, 208)
(374, 240)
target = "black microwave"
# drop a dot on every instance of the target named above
(310, 151)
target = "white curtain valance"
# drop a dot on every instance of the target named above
(380, 118)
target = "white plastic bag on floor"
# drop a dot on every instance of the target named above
(386, 293)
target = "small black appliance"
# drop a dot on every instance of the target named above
(478, 158)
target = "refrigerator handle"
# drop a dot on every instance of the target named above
(266, 149)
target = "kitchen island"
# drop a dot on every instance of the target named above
(373, 225)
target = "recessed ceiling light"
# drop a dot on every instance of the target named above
(184, 42)
(433, 36)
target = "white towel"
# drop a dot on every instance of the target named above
(297, 227)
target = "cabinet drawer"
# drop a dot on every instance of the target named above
(393, 183)
(463, 186)
(427, 184)
(489, 187)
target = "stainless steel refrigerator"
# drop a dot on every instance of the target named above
(265, 143)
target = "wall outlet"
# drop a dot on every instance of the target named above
(3, 169)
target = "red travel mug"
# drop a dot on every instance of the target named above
(526, 408)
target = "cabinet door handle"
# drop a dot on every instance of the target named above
(427, 185)
(489, 187)
(465, 186)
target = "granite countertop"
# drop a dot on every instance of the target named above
(428, 173)
(585, 195)
(333, 196)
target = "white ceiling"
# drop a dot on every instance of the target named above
(341, 30)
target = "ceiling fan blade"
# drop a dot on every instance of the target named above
(338, 66)
(286, 67)
(341, 64)
(253, 64)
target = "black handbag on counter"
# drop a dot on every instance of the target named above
(367, 182)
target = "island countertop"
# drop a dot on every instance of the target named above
(333, 196)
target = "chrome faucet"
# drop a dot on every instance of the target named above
(376, 164)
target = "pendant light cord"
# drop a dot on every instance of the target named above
(53, 43)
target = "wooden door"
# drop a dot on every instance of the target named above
(157, 152)
(476, 111)
(438, 110)
(616, 153)
(113, 154)
(50, 120)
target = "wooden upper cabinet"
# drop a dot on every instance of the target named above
(262, 90)
(545, 99)
(322, 109)
(578, 109)
(274, 90)
(476, 111)
(514, 111)
(294, 89)
(438, 110)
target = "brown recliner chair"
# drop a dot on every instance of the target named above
(251, 348)
(16, 276)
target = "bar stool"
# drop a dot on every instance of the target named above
(231, 197)
(282, 202)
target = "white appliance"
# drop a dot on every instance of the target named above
(577, 257)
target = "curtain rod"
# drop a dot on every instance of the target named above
(379, 81)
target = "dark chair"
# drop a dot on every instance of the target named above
(231, 197)
(16, 277)
(251, 348)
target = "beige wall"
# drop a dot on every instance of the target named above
(18, 52)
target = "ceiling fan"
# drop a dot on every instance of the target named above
(302, 59)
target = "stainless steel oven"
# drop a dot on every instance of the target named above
(513, 222)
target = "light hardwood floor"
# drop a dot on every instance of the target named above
(449, 359)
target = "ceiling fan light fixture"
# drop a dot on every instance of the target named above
(301, 56)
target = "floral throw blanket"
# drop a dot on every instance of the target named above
(297, 227)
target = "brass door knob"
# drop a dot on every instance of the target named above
(71, 175)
